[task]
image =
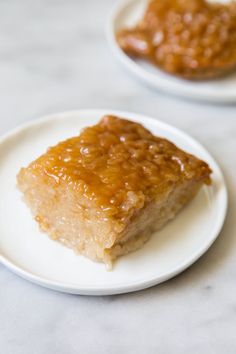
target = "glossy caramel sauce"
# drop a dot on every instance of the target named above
(118, 164)
(190, 38)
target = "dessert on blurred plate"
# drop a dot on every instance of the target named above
(103, 192)
(192, 39)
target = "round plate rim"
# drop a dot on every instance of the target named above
(161, 84)
(141, 284)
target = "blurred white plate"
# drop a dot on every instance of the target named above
(126, 14)
(34, 256)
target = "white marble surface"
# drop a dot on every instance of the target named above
(54, 57)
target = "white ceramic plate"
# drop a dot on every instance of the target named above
(126, 14)
(34, 256)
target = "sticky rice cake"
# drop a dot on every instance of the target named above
(104, 192)
(193, 39)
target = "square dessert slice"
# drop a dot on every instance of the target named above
(193, 39)
(104, 192)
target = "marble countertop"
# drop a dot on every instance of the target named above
(54, 57)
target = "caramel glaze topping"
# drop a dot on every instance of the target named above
(118, 165)
(190, 38)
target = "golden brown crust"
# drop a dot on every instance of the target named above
(193, 39)
(119, 166)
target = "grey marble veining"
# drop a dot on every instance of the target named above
(54, 57)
